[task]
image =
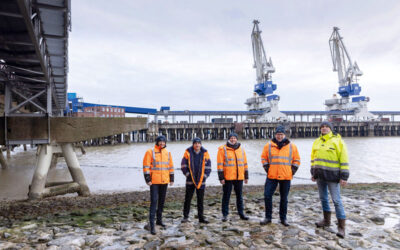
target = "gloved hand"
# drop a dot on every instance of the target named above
(294, 170)
(266, 167)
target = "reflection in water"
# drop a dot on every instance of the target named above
(119, 168)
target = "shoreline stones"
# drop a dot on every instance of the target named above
(121, 225)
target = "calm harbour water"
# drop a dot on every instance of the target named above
(119, 168)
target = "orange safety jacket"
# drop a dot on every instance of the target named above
(157, 166)
(232, 163)
(282, 163)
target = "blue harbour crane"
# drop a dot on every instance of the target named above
(264, 98)
(348, 82)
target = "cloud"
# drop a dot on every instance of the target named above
(197, 55)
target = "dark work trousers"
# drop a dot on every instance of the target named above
(269, 190)
(157, 193)
(188, 198)
(227, 188)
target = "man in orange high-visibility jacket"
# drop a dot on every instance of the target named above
(280, 159)
(232, 170)
(158, 171)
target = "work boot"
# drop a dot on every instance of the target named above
(185, 220)
(341, 228)
(265, 222)
(203, 220)
(284, 222)
(326, 221)
(152, 227)
(225, 218)
(160, 223)
(243, 217)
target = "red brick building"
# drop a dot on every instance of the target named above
(101, 111)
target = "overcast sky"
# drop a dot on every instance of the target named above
(197, 55)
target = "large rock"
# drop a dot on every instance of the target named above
(103, 241)
(71, 240)
(152, 244)
(290, 242)
(379, 220)
(232, 241)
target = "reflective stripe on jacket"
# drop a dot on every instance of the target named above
(232, 163)
(280, 160)
(329, 159)
(188, 168)
(157, 166)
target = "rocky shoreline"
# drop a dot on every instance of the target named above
(117, 221)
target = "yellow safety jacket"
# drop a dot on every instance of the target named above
(329, 159)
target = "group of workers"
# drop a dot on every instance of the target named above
(280, 159)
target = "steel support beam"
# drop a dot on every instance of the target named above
(27, 99)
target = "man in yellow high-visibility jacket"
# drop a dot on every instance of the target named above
(330, 169)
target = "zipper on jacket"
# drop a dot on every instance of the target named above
(237, 167)
(161, 165)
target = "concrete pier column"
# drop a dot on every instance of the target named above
(75, 168)
(8, 153)
(54, 160)
(3, 161)
(42, 168)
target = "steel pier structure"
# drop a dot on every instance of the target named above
(220, 131)
(33, 92)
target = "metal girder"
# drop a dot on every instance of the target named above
(49, 7)
(27, 99)
(25, 70)
(54, 37)
(9, 14)
(30, 79)
(20, 59)
(23, 43)
(34, 30)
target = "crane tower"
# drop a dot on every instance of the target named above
(264, 98)
(348, 84)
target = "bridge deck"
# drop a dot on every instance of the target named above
(34, 47)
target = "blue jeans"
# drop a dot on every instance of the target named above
(227, 188)
(334, 190)
(269, 190)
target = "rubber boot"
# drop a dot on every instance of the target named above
(341, 228)
(326, 221)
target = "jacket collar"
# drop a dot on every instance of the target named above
(191, 149)
(280, 144)
(327, 136)
(159, 148)
(233, 147)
